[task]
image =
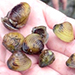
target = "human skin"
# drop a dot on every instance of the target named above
(56, 3)
(41, 14)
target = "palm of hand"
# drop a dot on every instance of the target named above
(40, 14)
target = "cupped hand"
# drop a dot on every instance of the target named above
(41, 14)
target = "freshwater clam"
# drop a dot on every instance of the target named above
(64, 31)
(46, 58)
(41, 30)
(13, 41)
(33, 44)
(17, 17)
(18, 61)
(71, 61)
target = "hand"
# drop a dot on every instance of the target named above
(41, 14)
(56, 4)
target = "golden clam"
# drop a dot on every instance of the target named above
(17, 17)
(18, 61)
(64, 31)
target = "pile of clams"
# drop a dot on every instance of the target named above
(33, 43)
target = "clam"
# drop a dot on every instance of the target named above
(17, 17)
(41, 30)
(71, 61)
(13, 41)
(46, 58)
(18, 61)
(33, 44)
(64, 31)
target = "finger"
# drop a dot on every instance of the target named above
(71, 46)
(52, 16)
(59, 65)
(64, 4)
(55, 4)
(56, 44)
(36, 70)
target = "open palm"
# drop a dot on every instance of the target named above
(41, 14)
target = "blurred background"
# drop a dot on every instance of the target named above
(70, 9)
